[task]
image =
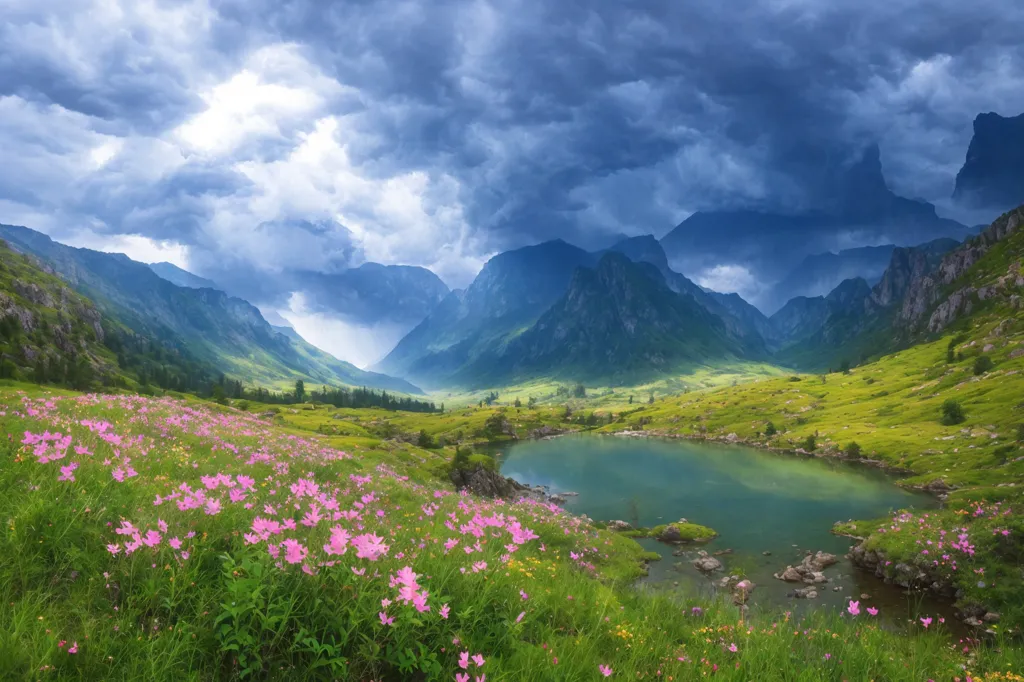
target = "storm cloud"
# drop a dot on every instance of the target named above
(245, 139)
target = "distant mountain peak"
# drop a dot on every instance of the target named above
(992, 175)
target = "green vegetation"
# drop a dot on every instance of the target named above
(101, 583)
(683, 532)
(953, 412)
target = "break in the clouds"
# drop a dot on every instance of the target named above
(247, 139)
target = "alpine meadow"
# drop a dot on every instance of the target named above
(378, 341)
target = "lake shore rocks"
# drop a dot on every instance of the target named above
(705, 563)
(809, 570)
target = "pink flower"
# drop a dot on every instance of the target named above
(478, 660)
(294, 552)
(523, 595)
(445, 611)
(873, 611)
(384, 620)
(369, 546)
(74, 648)
(519, 618)
(464, 660)
(733, 648)
(926, 622)
(461, 677)
(605, 670)
(854, 608)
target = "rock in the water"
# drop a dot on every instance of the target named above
(707, 564)
(790, 575)
(619, 525)
(805, 593)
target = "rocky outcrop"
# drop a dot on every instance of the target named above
(486, 482)
(925, 291)
(809, 570)
(992, 175)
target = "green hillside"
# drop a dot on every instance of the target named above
(219, 330)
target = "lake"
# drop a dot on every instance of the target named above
(757, 501)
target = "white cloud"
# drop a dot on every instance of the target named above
(136, 247)
(361, 345)
(729, 278)
(277, 87)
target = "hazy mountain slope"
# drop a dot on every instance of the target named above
(224, 331)
(820, 273)
(183, 278)
(925, 290)
(374, 293)
(511, 292)
(617, 322)
(741, 319)
(854, 203)
(992, 175)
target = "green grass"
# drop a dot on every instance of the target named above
(228, 610)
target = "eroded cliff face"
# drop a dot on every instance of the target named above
(992, 175)
(933, 301)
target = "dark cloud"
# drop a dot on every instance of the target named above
(461, 127)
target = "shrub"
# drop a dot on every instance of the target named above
(952, 412)
(770, 430)
(424, 440)
(1020, 433)
(242, 405)
(794, 379)
(809, 443)
(852, 449)
(982, 364)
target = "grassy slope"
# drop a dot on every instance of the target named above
(66, 319)
(226, 608)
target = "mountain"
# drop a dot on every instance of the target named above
(741, 318)
(819, 273)
(992, 175)
(924, 290)
(183, 278)
(218, 329)
(44, 324)
(511, 292)
(855, 205)
(51, 334)
(618, 321)
(374, 293)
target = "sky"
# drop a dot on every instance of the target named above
(243, 139)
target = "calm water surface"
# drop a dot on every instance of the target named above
(758, 502)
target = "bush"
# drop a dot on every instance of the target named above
(424, 440)
(852, 449)
(242, 405)
(770, 430)
(794, 379)
(952, 412)
(809, 443)
(982, 364)
(1020, 433)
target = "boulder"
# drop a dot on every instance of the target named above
(486, 482)
(706, 564)
(790, 575)
(619, 525)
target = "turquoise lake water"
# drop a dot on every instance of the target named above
(757, 501)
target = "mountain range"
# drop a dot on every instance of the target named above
(217, 329)
(859, 207)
